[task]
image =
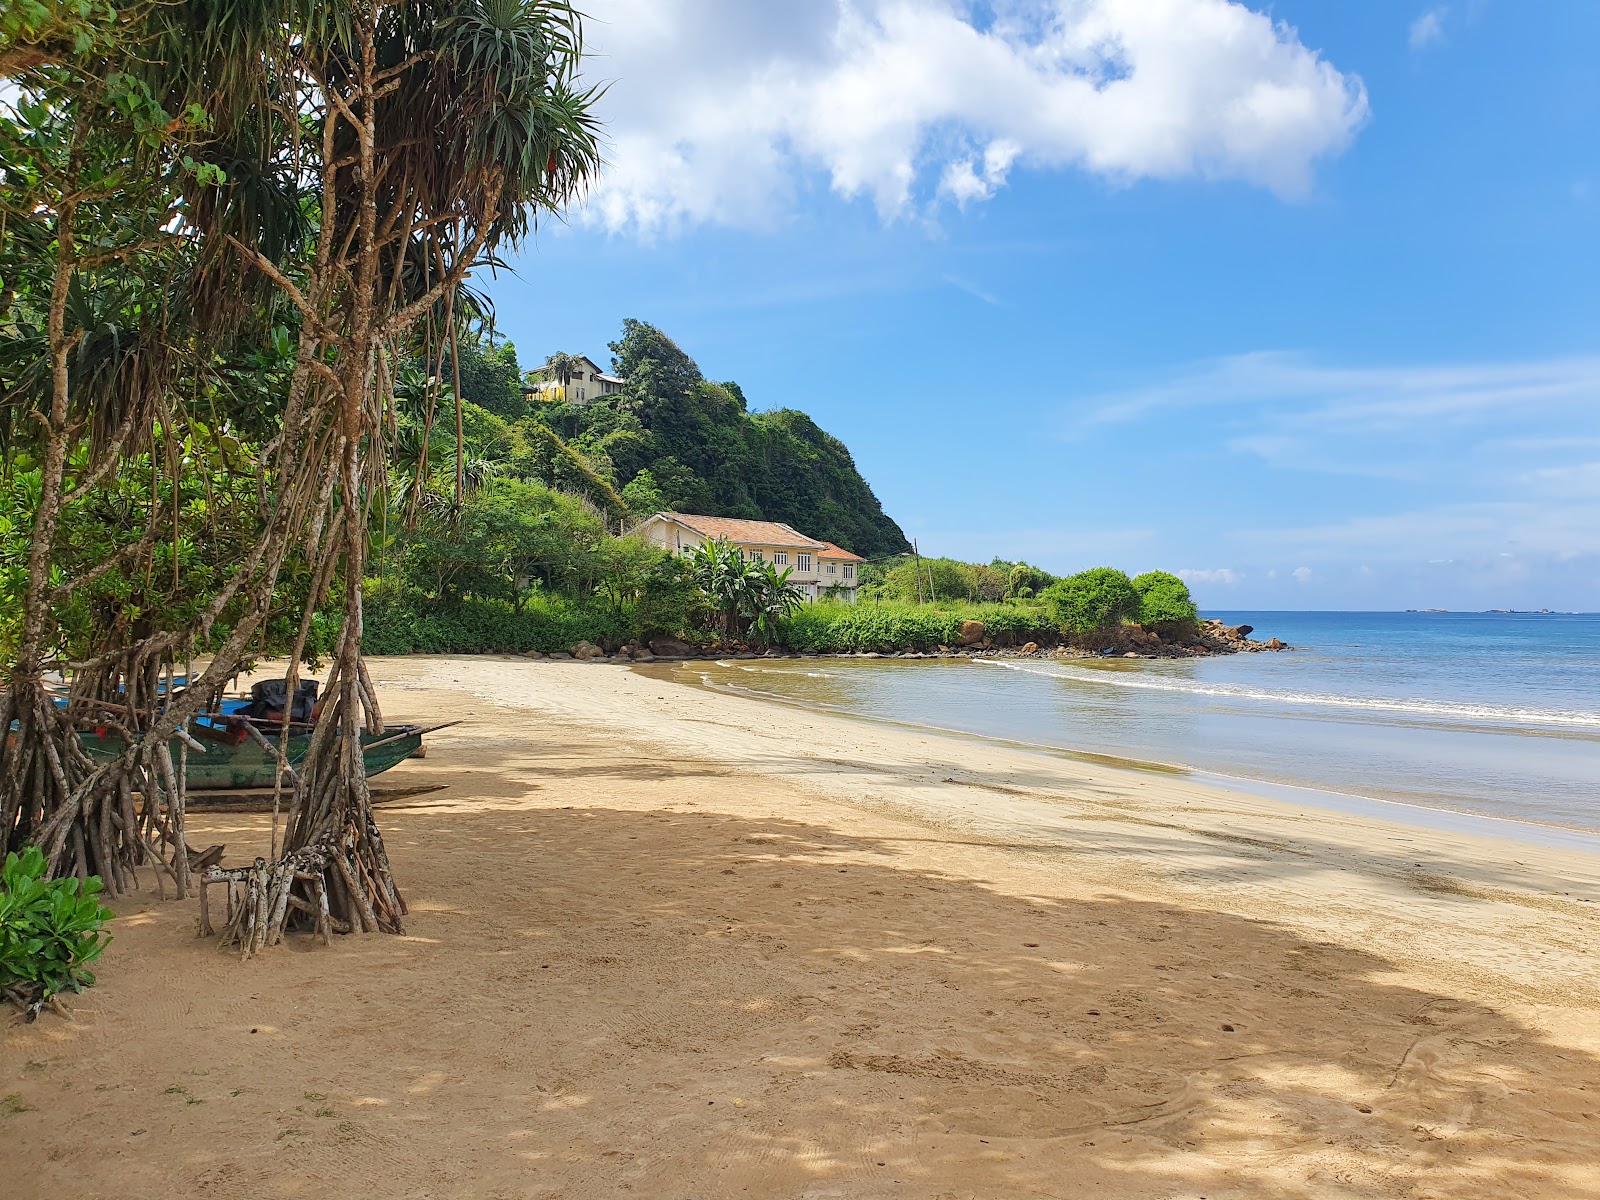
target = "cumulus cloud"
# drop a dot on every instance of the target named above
(724, 111)
(1302, 574)
(1428, 28)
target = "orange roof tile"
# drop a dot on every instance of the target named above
(732, 529)
(829, 550)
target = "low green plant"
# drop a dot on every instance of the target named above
(842, 628)
(50, 931)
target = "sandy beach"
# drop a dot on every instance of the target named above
(667, 942)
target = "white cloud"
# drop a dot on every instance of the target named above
(1439, 423)
(724, 111)
(972, 289)
(1428, 28)
(1224, 575)
(1302, 574)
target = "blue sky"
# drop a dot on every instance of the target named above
(1299, 300)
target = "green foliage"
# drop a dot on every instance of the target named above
(845, 628)
(491, 378)
(1094, 601)
(744, 594)
(1024, 581)
(672, 439)
(418, 625)
(1164, 600)
(50, 930)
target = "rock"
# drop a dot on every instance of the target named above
(971, 633)
(621, 658)
(670, 648)
(1031, 648)
(642, 655)
(1275, 644)
(535, 654)
(1240, 632)
(560, 656)
(585, 651)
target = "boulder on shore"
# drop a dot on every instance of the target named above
(971, 633)
(560, 656)
(1031, 648)
(585, 651)
(667, 647)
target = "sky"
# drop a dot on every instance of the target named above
(1299, 300)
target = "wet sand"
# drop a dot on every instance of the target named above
(671, 943)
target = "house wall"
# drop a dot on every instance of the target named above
(813, 580)
(586, 386)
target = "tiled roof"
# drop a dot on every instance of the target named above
(731, 529)
(829, 550)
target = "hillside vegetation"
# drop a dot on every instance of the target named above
(673, 439)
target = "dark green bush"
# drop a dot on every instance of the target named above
(50, 931)
(1164, 600)
(843, 628)
(413, 626)
(1094, 601)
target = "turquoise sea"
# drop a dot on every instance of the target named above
(1484, 713)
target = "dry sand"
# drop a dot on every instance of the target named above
(670, 943)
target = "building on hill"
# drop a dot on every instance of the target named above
(588, 383)
(815, 567)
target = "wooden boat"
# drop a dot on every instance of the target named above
(232, 764)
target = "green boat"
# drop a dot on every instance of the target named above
(233, 765)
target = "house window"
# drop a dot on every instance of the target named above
(803, 562)
(758, 556)
(849, 571)
(781, 557)
(832, 570)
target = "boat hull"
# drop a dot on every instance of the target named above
(234, 766)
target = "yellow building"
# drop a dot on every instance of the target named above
(815, 567)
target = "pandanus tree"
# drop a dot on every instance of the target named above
(351, 163)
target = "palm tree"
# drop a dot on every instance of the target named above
(562, 367)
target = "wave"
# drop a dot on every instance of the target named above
(775, 670)
(1416, 707)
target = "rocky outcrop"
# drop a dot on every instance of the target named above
(667, 647)
(971, 633)
(586, 651)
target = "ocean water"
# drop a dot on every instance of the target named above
(1490, 714)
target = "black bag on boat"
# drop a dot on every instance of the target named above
(267, 699)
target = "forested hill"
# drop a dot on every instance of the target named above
(672, 439)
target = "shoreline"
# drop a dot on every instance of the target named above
(671, 941)
(1530, 831)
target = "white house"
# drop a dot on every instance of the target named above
(588, 383)
(815, 567)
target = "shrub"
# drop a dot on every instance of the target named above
(1164, 601)
(50, 931)
(1093, 601)
(420, 626)
(841, 628)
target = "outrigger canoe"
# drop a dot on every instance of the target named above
(230, 765)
